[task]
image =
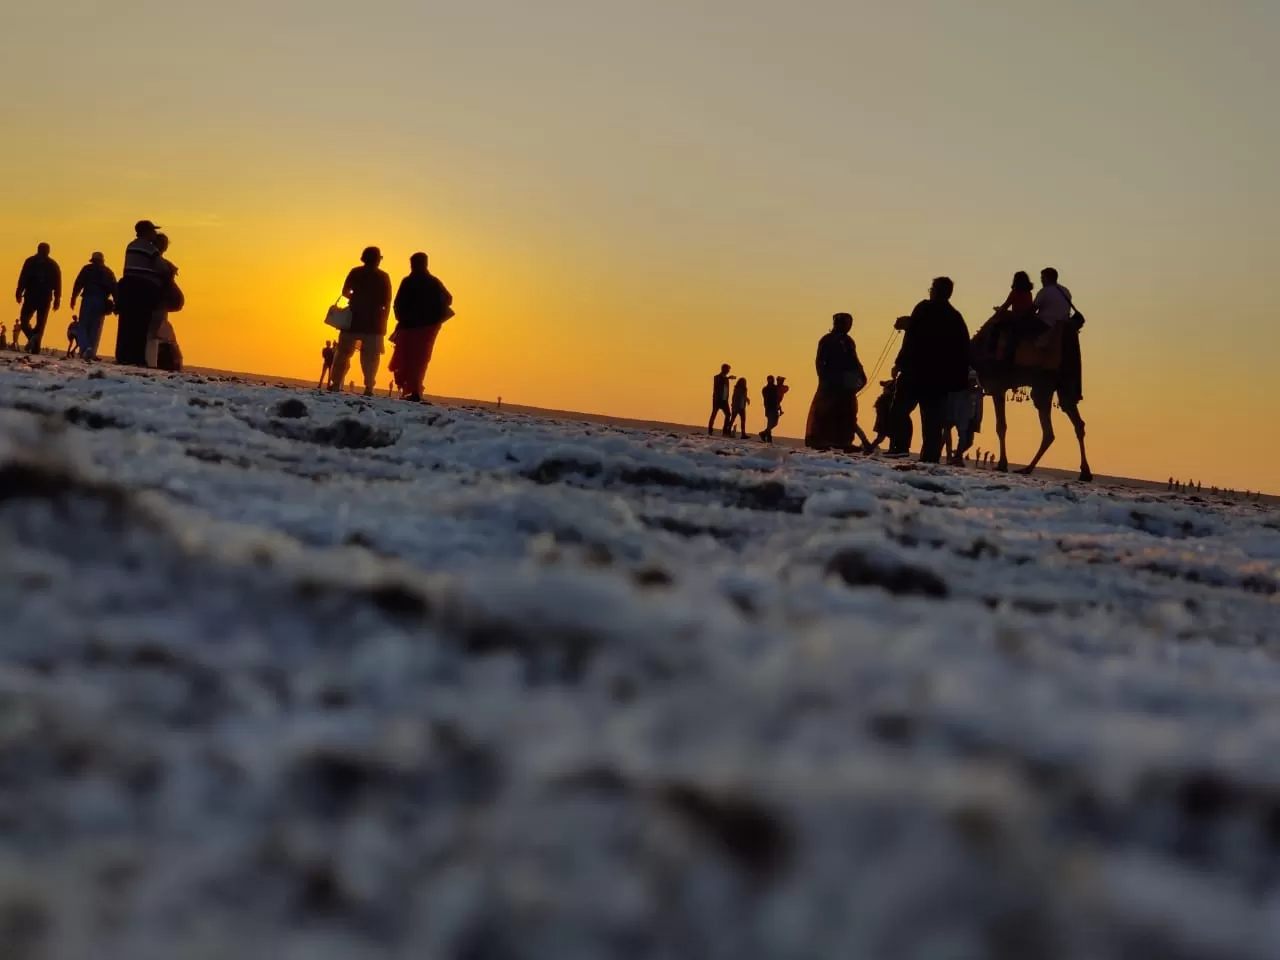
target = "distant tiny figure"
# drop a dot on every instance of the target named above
(326, 363)
(422, 305)
(73, 331)
(833, 415)
(772, 405)
(39, 289)
(4, 337)
(741, 400)
(499, 403)
(368, 290)
(720, 399)
(95, 287)
(933, 362)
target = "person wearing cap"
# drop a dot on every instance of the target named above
(95, 288)
(39, 288)
(368, 291)
(138, 294)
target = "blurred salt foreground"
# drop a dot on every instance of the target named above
(298, 676)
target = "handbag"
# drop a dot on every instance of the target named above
(1079, 317)
(339, 317)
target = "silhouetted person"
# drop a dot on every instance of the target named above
(933, 362)
(368, 290)
(95, 287)
(326, 360)
(772, 404)
(139, 294)
(741, 399)
(964, 414)
(884, 415)
(1017, 314)
(783, 390)
(171, 300)
(168, 355)
(833, 415)
(720, 399)
(1053, 302)
(422, 305)
(4, 337)
(39, 289)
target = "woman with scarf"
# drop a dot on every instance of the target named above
(833, 415)
(422, 304)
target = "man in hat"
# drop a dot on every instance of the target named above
(368, 290)
(95, 288)
(39, 288)
(139, 294)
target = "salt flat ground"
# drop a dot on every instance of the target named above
(291, 675)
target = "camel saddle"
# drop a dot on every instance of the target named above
(1043, 352)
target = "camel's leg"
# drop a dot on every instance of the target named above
(1044, 407)
(1073, 414)
(999, 400)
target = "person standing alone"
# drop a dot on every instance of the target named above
(39, 288)
(368, 291)
(95, 288)
(422, 305)
(326, 363)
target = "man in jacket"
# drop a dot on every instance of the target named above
(368, 291)
(39, 288)
(95, 287)
(422, 305)
(139, 294)
(933, 362)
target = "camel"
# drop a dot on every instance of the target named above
(1057, 373)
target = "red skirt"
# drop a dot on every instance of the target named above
(833, 417)
(412, 354)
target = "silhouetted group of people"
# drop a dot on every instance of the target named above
(932, 366)
(142, 299)
(731, 403)
(421, 305)
(933, 373)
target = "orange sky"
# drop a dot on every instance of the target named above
(623, 196)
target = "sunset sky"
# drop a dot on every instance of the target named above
(623, 195)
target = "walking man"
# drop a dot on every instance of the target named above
(39, 288)
(95, 288)
(772, 406)
(720, 399)
(368, 290)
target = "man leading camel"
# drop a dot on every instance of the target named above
(933, 362)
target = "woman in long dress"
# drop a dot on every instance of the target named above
(833, 415)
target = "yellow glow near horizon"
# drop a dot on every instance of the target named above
(622, 198)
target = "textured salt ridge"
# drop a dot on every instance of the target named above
(504, 687)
